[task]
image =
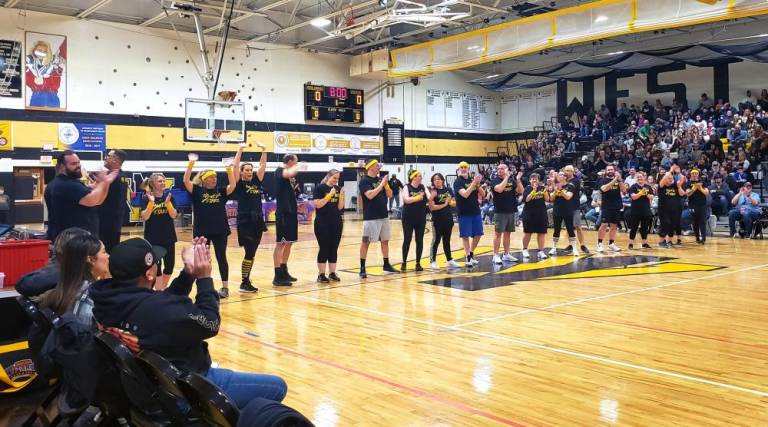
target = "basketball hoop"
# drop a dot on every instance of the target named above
(217, 133)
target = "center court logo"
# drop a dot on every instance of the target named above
(488, 275)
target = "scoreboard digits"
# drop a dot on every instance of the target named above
(334, 104)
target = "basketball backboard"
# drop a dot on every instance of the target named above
(214, 121)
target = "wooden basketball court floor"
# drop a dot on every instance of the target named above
(649, 338)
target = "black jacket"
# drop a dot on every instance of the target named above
(39, 281)
(166, 322)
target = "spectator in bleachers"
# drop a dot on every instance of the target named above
(746, 209)
(168, 322)
(705, 102)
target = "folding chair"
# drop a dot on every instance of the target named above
(209, 401)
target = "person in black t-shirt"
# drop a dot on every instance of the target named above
(574, 178)
(53, 224)
(250, 215)
(158, 214)
(440, 203)
(535, 197)
(611, 186)
(375, 191)
(468, 195)
(698, 194)
(396, 186)
(112, 210)
(329, 204)
(640, 212)
(73, 204)
(561, 194)
(210, 212)
(670, 205)
(286, 218)
(414, 219)
(504, 192)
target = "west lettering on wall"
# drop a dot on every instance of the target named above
(45, 71)
(10, 68)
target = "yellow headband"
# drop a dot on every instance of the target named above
(207, 174)
(370, 163)
(413, 174)
(695, 171)
(463, 165)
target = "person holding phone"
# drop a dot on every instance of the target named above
(468, 195)
(210, 214)
(329, 205)
(250, 214)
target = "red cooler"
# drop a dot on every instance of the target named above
(19, 257)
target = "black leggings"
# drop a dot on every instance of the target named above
(169, 259)
(219, 243)
(669, 219)
(641, 222)
(700, 218)
(408, 229)
(558, 220)
(442, 231)
(251, 245)
(328, 234)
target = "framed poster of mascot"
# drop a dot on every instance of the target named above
(45, 71)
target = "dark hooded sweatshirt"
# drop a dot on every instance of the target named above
(165, 322)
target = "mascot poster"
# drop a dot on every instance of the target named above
(45, 71)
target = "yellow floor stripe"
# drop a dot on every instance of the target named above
(667, 267)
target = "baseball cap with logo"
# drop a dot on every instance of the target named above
(132, 258)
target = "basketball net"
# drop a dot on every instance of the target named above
(218, 134)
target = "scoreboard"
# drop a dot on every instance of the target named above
(333, 104)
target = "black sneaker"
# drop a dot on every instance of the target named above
(403, 268)
(333, 277)
(663, 245)
(679, 242)
(584, 249)
(389, 269)
(419, 268)
(281, 280)
(321, 278)
(224, 293)
(631, 246)
(363, 274)
(568, 248)
(288, 276)
(646, 246)
(247, 287)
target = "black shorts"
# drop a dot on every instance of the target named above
(249, 233)
(611, 216)
(535, 224)
(287, 227)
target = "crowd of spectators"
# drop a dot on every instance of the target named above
(727, 142)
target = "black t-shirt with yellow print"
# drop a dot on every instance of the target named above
(210, 211)
(248, 195)
(159, 227)
(537, 205)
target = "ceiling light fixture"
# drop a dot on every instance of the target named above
(601, 18)
(320, 22)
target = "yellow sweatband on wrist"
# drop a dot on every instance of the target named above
(191, 164)
(387, 186)
(328, 197)
(228, 169)
(151, 205)
(169, 205)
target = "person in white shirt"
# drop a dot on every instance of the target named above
(630, 180)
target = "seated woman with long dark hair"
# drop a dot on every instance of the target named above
(82, 261)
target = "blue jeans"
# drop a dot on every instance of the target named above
(719, 206)
(593, 216)
(748, 217)
(242, 387)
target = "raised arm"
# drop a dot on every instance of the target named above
(262, 162)
(99, 192)
(188, 185)
(236, 163)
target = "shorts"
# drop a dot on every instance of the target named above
(577, 218)
(505, 222)
(470, 226)
(287, 227)
(248, 233)
(611, 216)
(376, 230)
(535, 224)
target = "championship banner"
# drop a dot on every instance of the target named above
(326, 143)
(6, 143)
(10, 68)
(82, 137)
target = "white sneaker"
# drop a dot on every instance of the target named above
(474, 261)
(576, 252)
(553, 251)
(613, 248)
(433, 265)
(508, 258)
(526, 255)
(496, 259)
(542, 255)
(453, 264)
(600, 248)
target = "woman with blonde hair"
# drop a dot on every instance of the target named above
(158, 214)
(329, 205)
(210, 213)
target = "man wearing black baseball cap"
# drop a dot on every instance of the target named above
(168, 322)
